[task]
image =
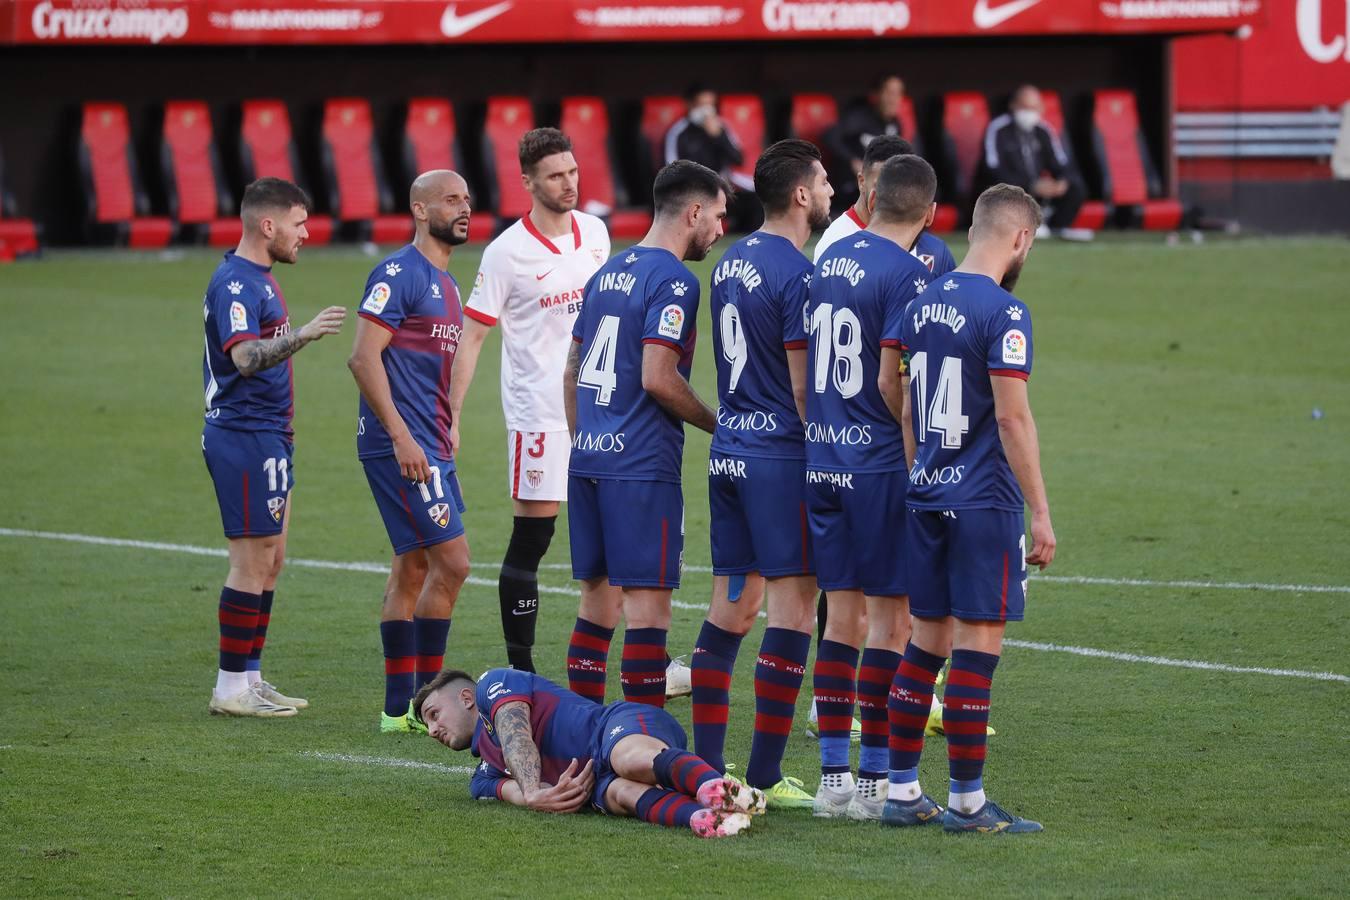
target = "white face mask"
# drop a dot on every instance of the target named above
(1026, 119)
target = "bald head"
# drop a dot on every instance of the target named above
(440, 205)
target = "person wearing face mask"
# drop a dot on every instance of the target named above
(863, 122)
(1020, 149)
(701, 136)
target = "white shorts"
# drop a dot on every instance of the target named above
(536, 464)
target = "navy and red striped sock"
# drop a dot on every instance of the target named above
(643, 668)
(910, 700)
(400, 665)
(834, 681)
(682, 771)
(237, 616)
(588, 660)
(714, 658)
(429, 637)
(779, 671)
(669, 808)
(874, 682)
(965, 717)
(254, 663)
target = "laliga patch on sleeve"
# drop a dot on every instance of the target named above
(1015, 348)
(377, 298)
(238, 317)
(672, 322)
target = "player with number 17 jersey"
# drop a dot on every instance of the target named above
(756, 477)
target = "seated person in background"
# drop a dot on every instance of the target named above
(703, 137)
(548, 749)
(860, 124)
(1020, 149)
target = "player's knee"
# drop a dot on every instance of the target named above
(450, 563)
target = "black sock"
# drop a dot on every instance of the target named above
(821, 607)
(518, 587)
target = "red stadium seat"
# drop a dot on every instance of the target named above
(1092, 214)
(586, 121)
(18, 236)
(117, 204)
(658, 114)
(965, 116)
(744, 114)
(267, 150)
(192, 174)
(357, 188)
(812, 116)
(508, 118)
(1128, 177)
(429, 142)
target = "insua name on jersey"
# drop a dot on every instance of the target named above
(617, 281)
(738, 268)
(939, 313)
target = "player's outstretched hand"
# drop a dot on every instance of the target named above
(1042, 541)
(327, 322)
(568, 795)
(412, 462)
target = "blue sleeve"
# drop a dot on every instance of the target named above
(498, 686)
(672, 308)
(487, 782)
(899, 291)
(795, 295)
(390, 291)
(1009, 351)
(237, 308)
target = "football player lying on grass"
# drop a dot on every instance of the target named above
(548, 749)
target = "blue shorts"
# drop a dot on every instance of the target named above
(252, 473)
(618, 721)
(967, 563)
(857, 524)
(758, 516)
(416, 515)
(630, 531)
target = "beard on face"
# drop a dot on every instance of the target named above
(559, 205)
(697, 249)
(1014, 272)
(445, 231)
(820, 217)
(282, 249)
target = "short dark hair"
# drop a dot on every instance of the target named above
(1005, 200)
(885, 147)
(541, 142)
(905, 189)
(684, 181)
(879, 81)
(444, 677)
(696, 88)
(780, 169)
(270, 195)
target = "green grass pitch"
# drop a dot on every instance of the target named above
(1174, 389)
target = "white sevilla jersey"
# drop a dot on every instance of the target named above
(844, 224)
(532, 285)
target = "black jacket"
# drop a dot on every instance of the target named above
(857, 126)
(1014, 156)
(685, 140)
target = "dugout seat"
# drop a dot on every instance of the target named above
(117, 204)
(744, 114)
(430, 142)
(965, 116)
(909, 124)
(267, 150)
(1129, 181)
(18, 236)
(812, 115)
(586, 121)
(358, 192)
(658, 114)
(1092, 214)
(199, 200)
(508, 118)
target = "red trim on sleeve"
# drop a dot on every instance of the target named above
(853, 214)
(890, 343)
(479, 317)
(378, 321)
(794, 345)
(1010, 373)
(501, 783)
(577, 339)
(236, 338)
(539, 235)
(671, 344)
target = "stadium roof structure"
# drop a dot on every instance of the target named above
(338, 22)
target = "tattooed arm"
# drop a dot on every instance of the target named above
(251, 357)
(570, 375)
(516, 736)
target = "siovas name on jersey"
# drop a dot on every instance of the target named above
(738, 268)
(843, 267)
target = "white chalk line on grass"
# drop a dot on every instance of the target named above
(388, 761)
(383, 569)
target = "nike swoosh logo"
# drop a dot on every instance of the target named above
(454, 25)
(992, 17)
(523, 612)
(545, 275)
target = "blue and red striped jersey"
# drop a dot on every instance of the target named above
(420, 306)
(243, 303)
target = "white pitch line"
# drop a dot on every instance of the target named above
(380, 569)
(389, 762)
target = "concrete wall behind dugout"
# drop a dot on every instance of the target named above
(44, 87)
